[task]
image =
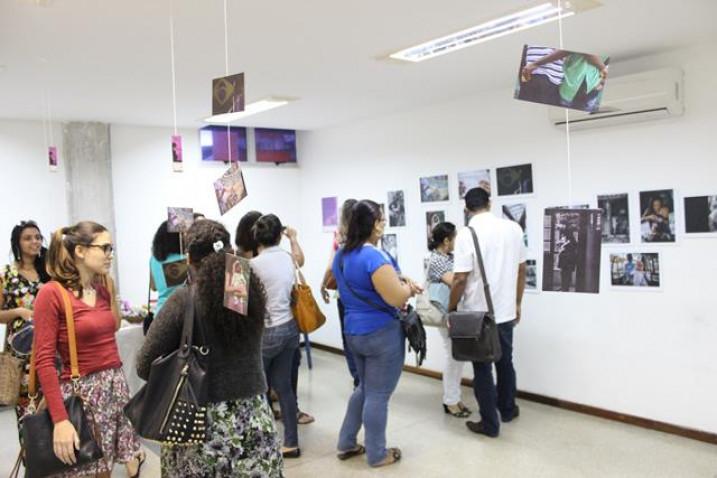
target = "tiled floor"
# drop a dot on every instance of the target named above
(543, 442)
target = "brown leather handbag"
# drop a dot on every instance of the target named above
(306, 311)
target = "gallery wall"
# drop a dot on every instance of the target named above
(649, 354)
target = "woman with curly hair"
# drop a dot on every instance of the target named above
(240, 428)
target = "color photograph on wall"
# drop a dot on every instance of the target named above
(434, 188)
(473, 179)
(179, 219)
(228, 94)
(615, 218)
(701, 214)
(433, 218)
(561, 78)
(635, 270)
(329, 213)
(230, 188)
(571, 250)
(517, 213)
(275, 145)
(389, 243)
(531, 275)
(216, 147)
(396, 209)
(514, 180)
(657, 216)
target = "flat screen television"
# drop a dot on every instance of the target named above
(275, 145)
(215, 147)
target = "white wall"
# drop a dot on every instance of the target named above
(145, 185)
(646, 354)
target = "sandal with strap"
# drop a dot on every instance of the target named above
(303, 418)
(141, 459)
(345, 455)
(460, 413)
(393, 455)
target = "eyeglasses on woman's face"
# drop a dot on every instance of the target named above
(107, 248)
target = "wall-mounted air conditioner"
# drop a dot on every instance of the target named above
(643, 96)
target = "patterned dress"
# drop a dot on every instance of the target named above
(18, 291)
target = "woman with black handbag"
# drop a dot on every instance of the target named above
(240, 435)
(79, 260)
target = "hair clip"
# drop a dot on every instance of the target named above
(218, 246)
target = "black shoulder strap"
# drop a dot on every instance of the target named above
(479, 258)
(188, 325)
(356, 294)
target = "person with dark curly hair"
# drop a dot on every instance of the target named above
(241, 433)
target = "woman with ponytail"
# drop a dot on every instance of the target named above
(79, 261)
(240, 427)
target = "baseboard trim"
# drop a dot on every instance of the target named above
(641, 422)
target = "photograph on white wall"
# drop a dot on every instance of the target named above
(434, 188)
(179, 219)
(52, 157)
(635, 270)
(701, 214)
(389, 243)
(433, 218)
(657, 217)
(517, 213)
(396, 209)
(514, 180)
(571, 250)
(230, 188)
(615, 218)
(329, 213)
(531, 275)
(473, 179)
(562, 78)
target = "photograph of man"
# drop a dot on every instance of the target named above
(504, 258)
(657, 221)
(615, 218)
(396, 209)
(567, 259)
(433, 218)
(635, 269)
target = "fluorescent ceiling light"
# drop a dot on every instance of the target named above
(251, 109)
(505, 25)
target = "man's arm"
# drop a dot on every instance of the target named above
(457, 289)
(520, 289)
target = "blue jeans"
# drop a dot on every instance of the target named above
(501, 398)
(379, 361)
(347, 351)
(278, 347)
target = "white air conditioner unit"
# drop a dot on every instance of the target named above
(628, 99)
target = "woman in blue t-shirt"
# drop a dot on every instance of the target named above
(371, 291)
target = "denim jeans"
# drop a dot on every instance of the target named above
(501, 398)
(379, 360)
(347, 351)
(278, 348)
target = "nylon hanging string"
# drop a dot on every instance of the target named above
(567, 116)
(174, 73)
(226, 73)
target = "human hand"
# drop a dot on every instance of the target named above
(23, 313)
(518, 313)
(527, 72)
(325, 295)
(65, 441)
(290, 233)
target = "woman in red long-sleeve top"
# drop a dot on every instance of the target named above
(79, 260)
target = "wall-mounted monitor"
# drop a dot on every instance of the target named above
(275, 145)
(216, 146)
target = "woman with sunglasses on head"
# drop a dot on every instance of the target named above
(79, 261)
(20, 282)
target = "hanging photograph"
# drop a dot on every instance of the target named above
(236, 283)
(433, 218)
(396, 209)
(175, 272)
(434, 188)
(389, 243)
(230, 188)
(177, 158)
(179, 219)
(701, 214)
(216, 147)
(52, 157)
(561, 78)
(515, 180)
(517, 213)
(615, 218)
(531, 275)
(571, 250)
(228, 94)
(329, 214)
(275, 145)
(473, 179)
(657, 216)
(637, 269)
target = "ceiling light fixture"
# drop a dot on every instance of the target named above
(492, 29)
(257, 107)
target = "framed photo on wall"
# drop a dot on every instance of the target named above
(657, 216)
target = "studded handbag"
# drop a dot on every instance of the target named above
(171, 407)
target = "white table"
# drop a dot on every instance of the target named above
(129, 340)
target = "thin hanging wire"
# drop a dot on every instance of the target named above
(49, 120)
(44, 116)
(226, 73)
(174, 73)
(567, 116)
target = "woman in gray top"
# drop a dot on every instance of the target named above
(242, 436)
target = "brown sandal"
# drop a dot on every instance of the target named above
(345, 455)
(393, 455)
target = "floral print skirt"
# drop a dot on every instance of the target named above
(105, 393)
(242, 442)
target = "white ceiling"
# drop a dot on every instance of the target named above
(109, 60)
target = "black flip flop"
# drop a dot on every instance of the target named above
(345, 455)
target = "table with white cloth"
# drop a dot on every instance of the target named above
(129, 341)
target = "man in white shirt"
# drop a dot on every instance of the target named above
(504, 256)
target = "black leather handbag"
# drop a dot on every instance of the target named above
(474, 335)
(37, 428)
(171, 407)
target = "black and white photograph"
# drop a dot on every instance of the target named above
(615, 218)
(635, 269)
(433, 218)
(515, 180)
(517, 213)
(396, 209)
(657, 216)
(473, 179)
(701, 214)
(571, 250)
(531, 275)
(389, 243)
(434, 188)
